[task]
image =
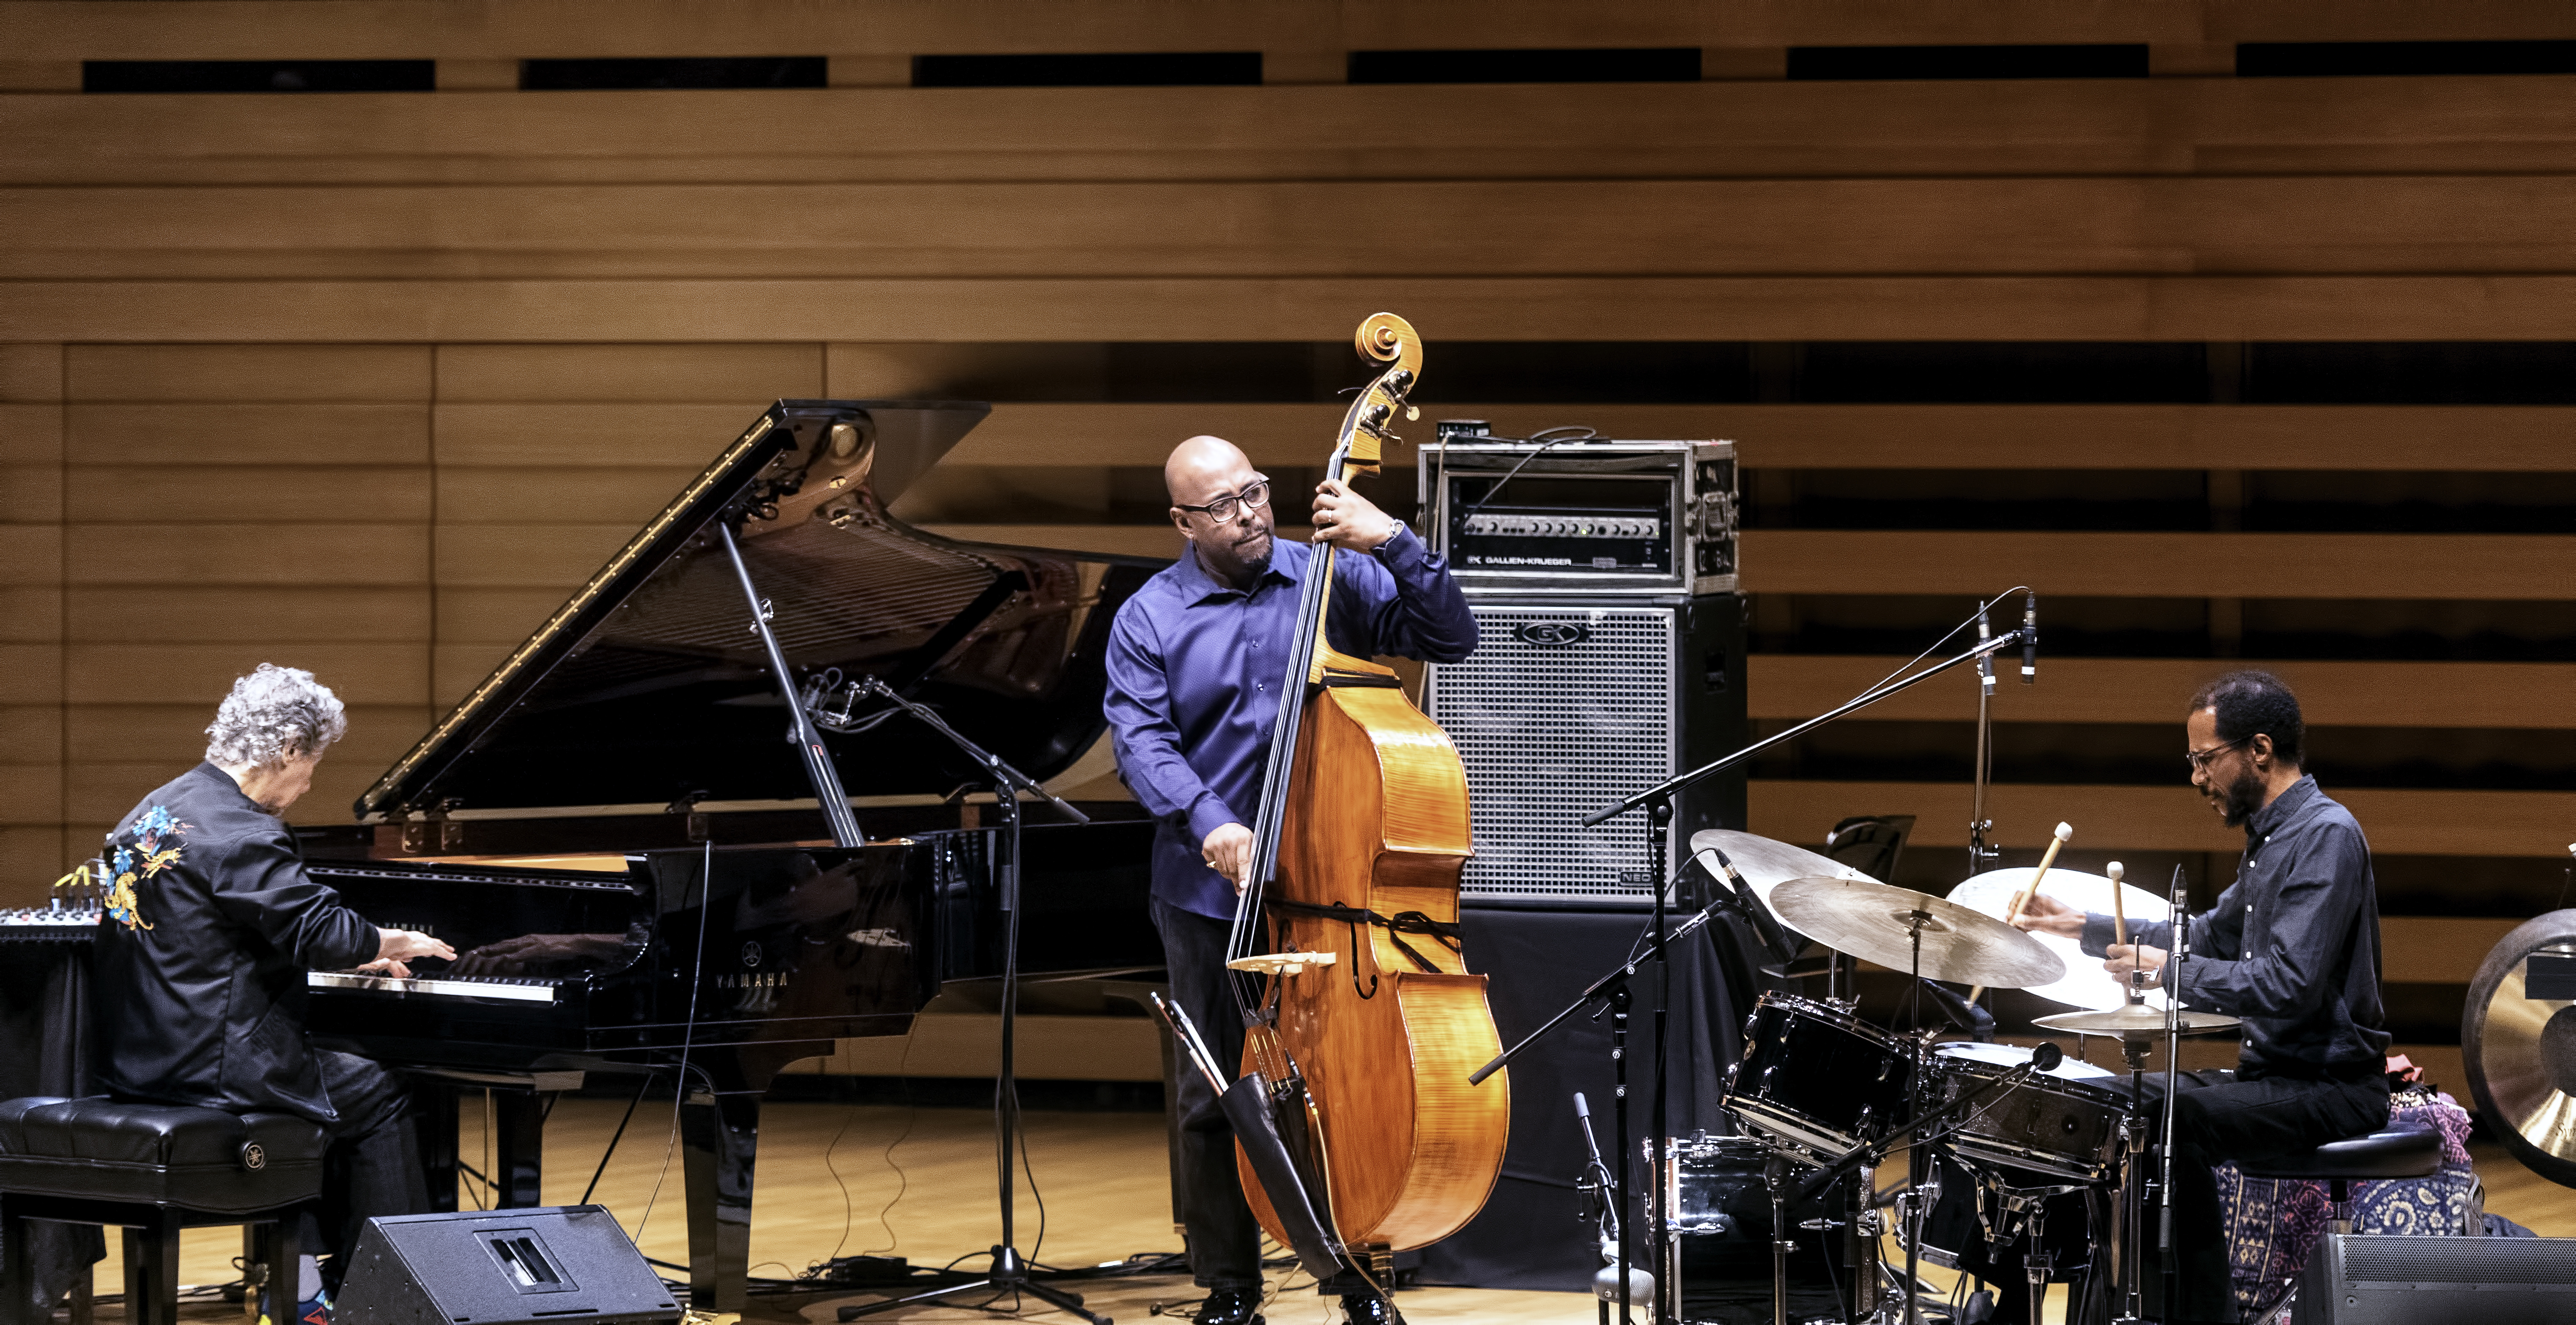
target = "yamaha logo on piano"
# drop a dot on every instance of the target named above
(751, 954)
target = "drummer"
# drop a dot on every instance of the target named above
(2292, 948)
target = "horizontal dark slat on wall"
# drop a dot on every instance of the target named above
(2129, 565)
(2131, 308)
(2125, 437)
(1701, 131)
(1682, 228)
(2155, 690)
(359, 29)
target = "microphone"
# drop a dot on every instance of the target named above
(2046, 1056)
(1985, 661)
(2029, 638)
(1765, 924)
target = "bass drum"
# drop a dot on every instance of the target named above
(1817, 1080)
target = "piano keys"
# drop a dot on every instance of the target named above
(711, 934)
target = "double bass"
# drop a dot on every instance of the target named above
(1362, 1019)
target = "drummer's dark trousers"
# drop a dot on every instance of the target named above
(1225, 1243)
(2220, 1117)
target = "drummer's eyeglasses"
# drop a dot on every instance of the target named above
(2199, 759)
(1223, 510)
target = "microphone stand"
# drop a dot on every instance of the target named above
(1612, 989)
(2173, 1064)
(1009, 1272)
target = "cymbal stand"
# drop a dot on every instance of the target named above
(2133, 1186)
(2173, 1072)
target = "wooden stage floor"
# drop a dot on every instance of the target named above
(919, 1183)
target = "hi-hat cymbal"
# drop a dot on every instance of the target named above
(1875, 922)
(2136, 1021)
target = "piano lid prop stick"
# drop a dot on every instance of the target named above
(2065, 833)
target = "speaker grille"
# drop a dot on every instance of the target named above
(1552, 728)
(2495, 1261)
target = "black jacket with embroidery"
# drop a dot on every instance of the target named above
(212, 923)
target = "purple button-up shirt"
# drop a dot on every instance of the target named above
(1195, 669)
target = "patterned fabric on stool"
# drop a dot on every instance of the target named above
(2273, 1223)
(154, 1169)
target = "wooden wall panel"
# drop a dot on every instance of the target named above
(294, 434)
(1783, 308)
(479, 435)
(203, 374)
(629, 374)
(2094, 226)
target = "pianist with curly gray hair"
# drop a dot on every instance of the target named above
(212, 922)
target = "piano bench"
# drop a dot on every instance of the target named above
(152, 1169)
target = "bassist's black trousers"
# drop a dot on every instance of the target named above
(1225, 1242)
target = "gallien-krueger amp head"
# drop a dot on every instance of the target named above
(1581, 514)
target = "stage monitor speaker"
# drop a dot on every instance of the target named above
(1569, 705)
(2363, 1279)
(535, 1266)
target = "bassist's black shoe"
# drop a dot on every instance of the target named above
(1370, 1309)
(1231, 1306)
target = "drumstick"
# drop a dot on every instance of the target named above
(2119, 917)
(2065, 832)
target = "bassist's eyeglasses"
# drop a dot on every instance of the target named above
(1224, 509)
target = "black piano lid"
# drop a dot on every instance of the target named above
(647, 687)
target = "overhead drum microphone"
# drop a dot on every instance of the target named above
(2029, 638)
(1985, 661)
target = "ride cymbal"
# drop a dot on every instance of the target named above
(1877, 923)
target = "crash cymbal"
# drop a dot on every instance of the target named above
(1875, 922)
(2086, 984)
(2135, 1022)
(1767, 864)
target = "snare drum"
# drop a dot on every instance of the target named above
(2065, 1122)
(1817, 1079)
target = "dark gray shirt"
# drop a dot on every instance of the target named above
(2292, 946)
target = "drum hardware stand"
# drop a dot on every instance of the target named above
(1612, 989)
(2173, 1072)
(1009, 1271)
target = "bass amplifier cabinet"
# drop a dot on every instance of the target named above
(1567, 706)
(2362, 1279)
(536, 1266)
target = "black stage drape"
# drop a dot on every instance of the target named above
(44, 1050)
(1531, 1234)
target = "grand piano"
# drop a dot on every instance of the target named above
(617, 833)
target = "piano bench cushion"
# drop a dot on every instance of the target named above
(2403, 1149)
(159, 1154)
